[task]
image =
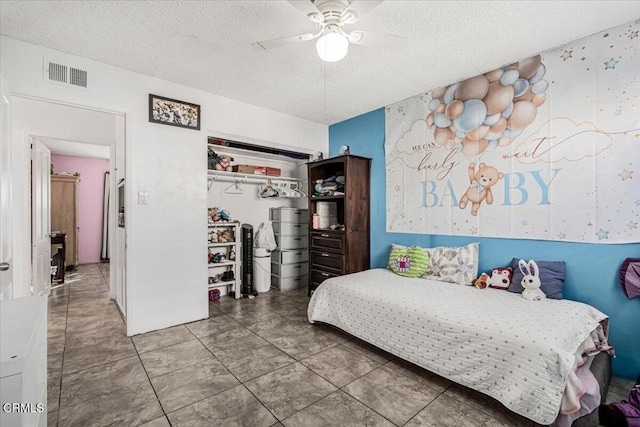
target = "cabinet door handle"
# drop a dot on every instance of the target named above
(324, 235)
(324, 254)
(325, 274)
(297, 266)
(297, 225)
(297, 238)
(298, 213)
(298, 253)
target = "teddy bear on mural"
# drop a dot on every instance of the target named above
(479, 189)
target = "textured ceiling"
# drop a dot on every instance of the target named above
(207, 45)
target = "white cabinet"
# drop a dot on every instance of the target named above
(23, 361)
(224, 273)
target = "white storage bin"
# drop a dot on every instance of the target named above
(289, 284)
(296, 216)
(290, 229)
(292, 242)
(290, 257)
(290, 270)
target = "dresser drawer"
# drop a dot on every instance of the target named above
(296, 216)
(333, 242)
(290, 228)
(290, 270)
(290, 283)
(290, 257)
(292, 242)
(327, 261)
(319, 276)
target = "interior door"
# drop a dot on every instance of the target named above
(6, 213)
(40, 218)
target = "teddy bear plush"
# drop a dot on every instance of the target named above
(500, 278)
(482, 281)
(479, 189)
(224, 163)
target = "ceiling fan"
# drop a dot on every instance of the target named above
(331, 16)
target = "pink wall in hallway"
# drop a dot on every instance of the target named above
(90, 197)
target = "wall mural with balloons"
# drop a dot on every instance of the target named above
(544, 148)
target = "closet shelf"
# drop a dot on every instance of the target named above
(214, 175)
(220, 264)
(219, 284)
(218, 245)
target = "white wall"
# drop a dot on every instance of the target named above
(166, 271)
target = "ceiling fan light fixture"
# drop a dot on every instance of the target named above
(332, 47)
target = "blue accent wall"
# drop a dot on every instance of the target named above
(591, 269)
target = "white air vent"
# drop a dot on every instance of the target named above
(78, 77)
(64, 75)
(57, 72)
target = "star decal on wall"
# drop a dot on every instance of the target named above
(524, 223)
(633, 34)
(617, 113)
(637, 202)
(610, 64)
(602, 234)
(474, 230)
(632, 224)
(567, 54)
(562, 236)
(625, 174)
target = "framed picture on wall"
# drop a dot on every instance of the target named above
(172, 112)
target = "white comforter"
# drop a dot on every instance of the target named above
(515, 350)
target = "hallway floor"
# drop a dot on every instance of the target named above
(254, 363)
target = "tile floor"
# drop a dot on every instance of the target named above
(252, 363)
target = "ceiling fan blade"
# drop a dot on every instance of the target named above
(282, 41)
(379, 40)
(308, 9)
(358, 9)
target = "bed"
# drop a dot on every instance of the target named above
(520, 352)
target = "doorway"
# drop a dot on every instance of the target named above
(81, 139)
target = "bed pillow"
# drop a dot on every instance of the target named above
(453, 264)
(551, 278)
(408, 261)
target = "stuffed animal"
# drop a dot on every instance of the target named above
(225, 236)
(531, 281)
(482, 281)
(218, 162)
(480, 186)
(500, 278)
(224, 163)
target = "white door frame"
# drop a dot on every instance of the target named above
(20, 138)
(40, 218)
(6, 211)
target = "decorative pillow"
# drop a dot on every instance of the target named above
(408, 261)
(453, 264)
(551, 278)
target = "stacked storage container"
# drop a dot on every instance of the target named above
(290, 261)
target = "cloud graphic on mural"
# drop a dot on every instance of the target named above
(562, 139)
(413, 145)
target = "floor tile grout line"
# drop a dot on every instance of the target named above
(241, 383)
(150, 382)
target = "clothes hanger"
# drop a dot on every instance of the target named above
(234, 188)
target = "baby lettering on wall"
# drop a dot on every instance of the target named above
(444, 167)
(519, 188)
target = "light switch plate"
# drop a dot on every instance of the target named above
(143, 197)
